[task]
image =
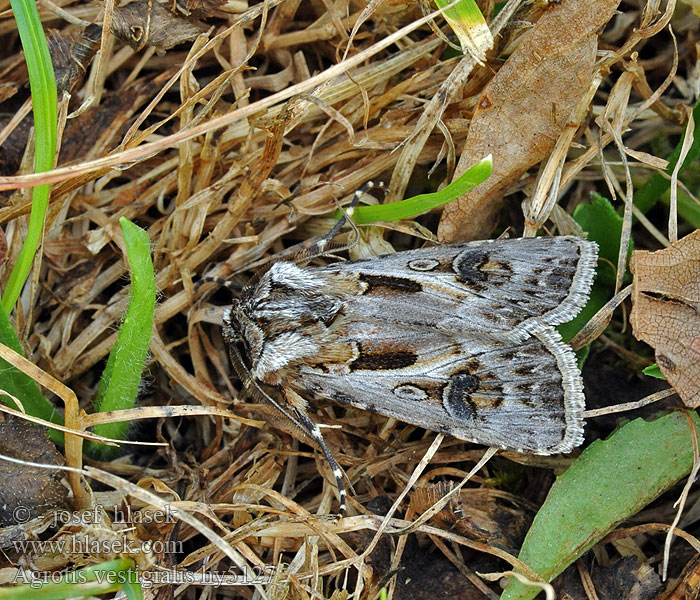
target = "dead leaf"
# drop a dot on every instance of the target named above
(475, 515)
(3, 246)
(202, 9)
(687, 586)
(143, 23)
(665, 314)
(7, 90)
(33, 491)
(524, 108)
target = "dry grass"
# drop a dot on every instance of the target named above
(227, 151)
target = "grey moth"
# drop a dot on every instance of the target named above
(459, 339)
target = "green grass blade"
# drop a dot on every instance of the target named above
(120, 380)
(611, 481)
(412, 207)
(469, 26)
(22, 386)
(102, 578)
(43, 87)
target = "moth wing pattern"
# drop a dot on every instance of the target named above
(459, 339)
(524, 396)
(504, 288)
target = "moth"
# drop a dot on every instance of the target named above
(459, 339)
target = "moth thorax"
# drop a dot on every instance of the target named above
(281, 351)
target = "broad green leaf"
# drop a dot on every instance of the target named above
(611, 481)
(599, 296)
(604, 225)
(653, 371)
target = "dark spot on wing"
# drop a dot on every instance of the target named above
(550, 392)
(560, 277)
(509, 355)
(468, 265)
(383, 361)
(505, 266)
(490, 316)
(492, 395)
(531, 350)
(524, 370)
(341, 397)
(395, 284)
(457, 396)
(472, 365)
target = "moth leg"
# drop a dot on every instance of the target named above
(296, 402)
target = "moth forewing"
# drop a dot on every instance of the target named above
(459, 338)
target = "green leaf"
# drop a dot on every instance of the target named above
(653, 371)
(657, 185)
(412, 207)
(469, 25)
(611, 481)
(102, 578)
(132, 590)
(604, 225)
(599, 296)
(120, 380)
(43, 87)
(22, 386)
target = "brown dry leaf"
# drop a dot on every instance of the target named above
(143, 23)
(3, 246)
(666, 299)
(687, 586)
(524, 108)
(202, 9)
(475, 515)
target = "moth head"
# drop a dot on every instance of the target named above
(242, 333)
(242, 336)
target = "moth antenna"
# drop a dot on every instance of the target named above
(234, 288)
(298, 418)
(318, 247)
